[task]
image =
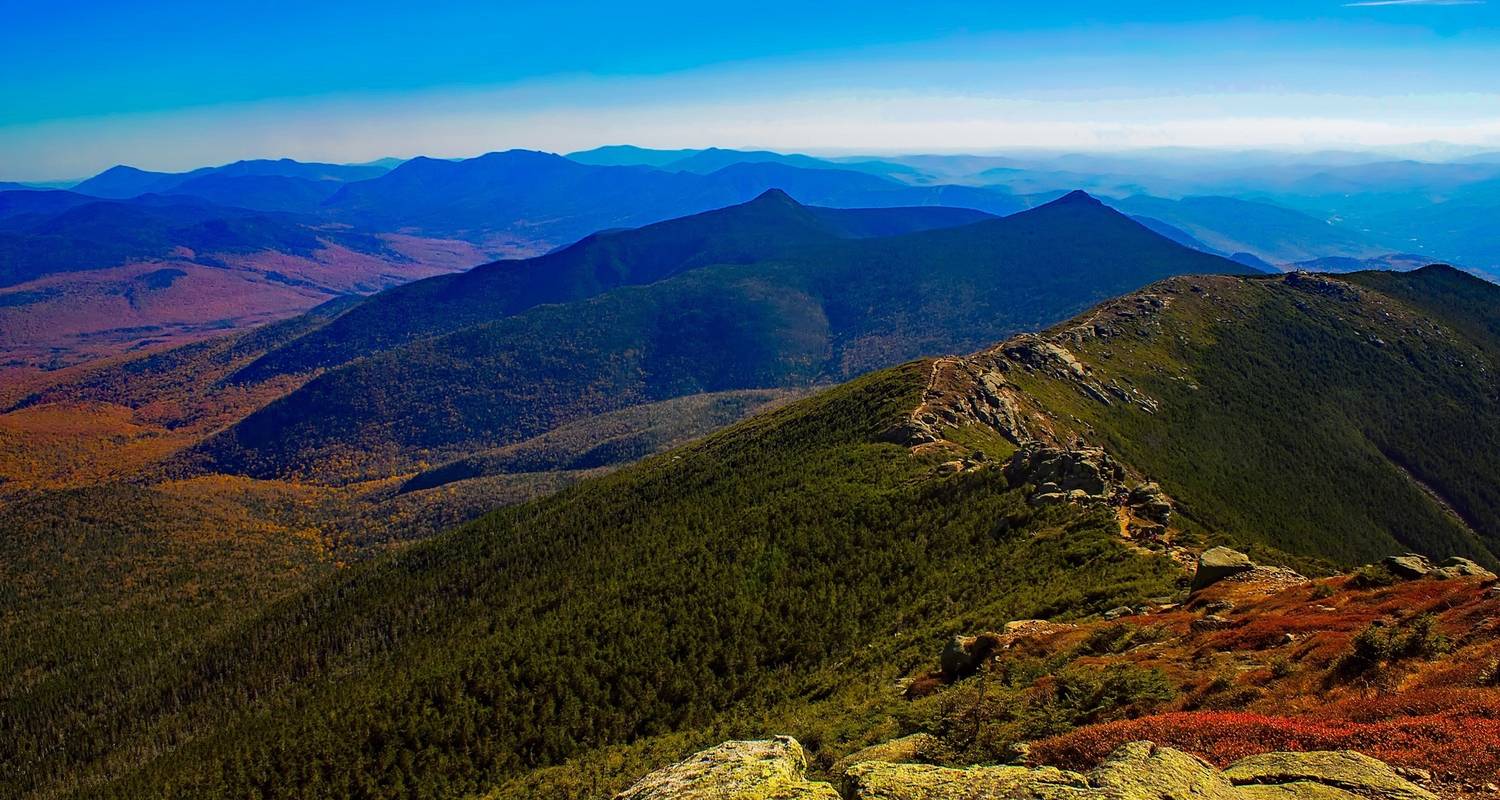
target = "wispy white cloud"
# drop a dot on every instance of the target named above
(1368, 3)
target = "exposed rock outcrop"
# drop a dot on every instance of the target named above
(1143, 770)
(772, 770)
(1218, 563)
(1079, 475)
(962, 655)
(1148, 501)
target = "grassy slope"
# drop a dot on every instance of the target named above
(737, 576)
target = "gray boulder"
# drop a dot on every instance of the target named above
(1219, 563)
(1409, 567)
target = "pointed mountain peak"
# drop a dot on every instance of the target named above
(1076, 197)
(774, 196)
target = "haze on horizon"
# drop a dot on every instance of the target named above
(173, 85)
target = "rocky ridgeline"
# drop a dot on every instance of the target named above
(775, 770)
(978, 389)
(1059, 465)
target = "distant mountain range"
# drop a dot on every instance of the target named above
(518, 198)
(122, 182)
(307, 231)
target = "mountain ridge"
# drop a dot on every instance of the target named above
(785, 317)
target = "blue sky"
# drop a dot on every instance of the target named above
(174, 84)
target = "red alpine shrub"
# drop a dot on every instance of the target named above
(1450, 743)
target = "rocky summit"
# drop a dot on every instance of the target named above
(1135, 771)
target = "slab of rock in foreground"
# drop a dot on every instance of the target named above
(772, 770)
(1143, 770)
(914, 749)
(760, 770)
(1410, 566)
(878, 780)
(1341, 769)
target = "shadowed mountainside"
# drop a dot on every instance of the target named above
(825, 310)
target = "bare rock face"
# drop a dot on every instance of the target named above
(1148, 501)
(1219, 563)
(1210, 622)
(771, 769)
(1144, 771)
(962, 655)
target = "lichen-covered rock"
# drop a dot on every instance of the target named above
(1301, 790)
(878, 780)
(914, 749)
(1352, 772)
(1144, 771)
(1219, 563)
(771, 769)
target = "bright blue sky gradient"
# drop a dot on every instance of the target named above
(173, 84)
